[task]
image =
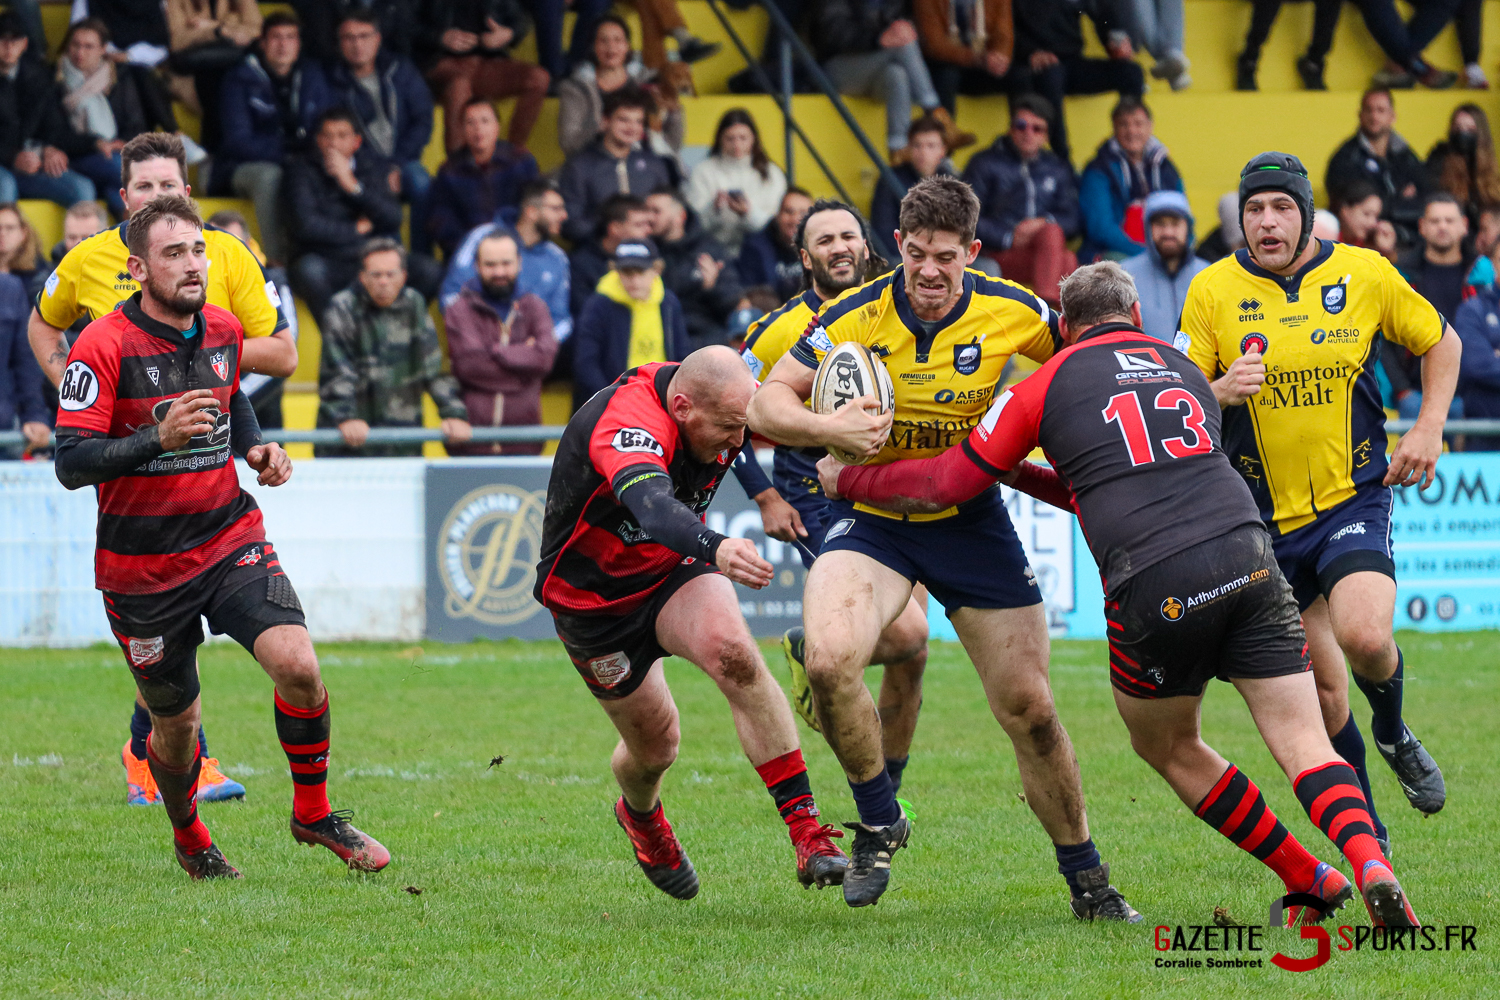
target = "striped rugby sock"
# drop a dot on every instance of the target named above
(304, 737)
(1335, 803)
(1235, 807)
(178, 786)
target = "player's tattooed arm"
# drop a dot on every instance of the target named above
(50, 345)
(82, 460)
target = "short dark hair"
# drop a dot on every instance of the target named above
(280, 19)
(381, 244)
(11, 26)
(617, 21)
(171, 206)
(1371, 91)
(93, 24)
(1441, 198)
(498, 233)
(940, 204)
(628, 96)
(337, 113)
(670, 192)
(363, 16)
(617, 208)
(1129, 105)
(475, 102)
(1035, 104)
(532, 191)
(226, 217)
(1356, 191)
(926, 123)
(794, 189)
(151, 146)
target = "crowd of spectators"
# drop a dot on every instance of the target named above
(637, 249)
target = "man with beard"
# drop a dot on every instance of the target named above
(151, 410)
(1285, 330)
(501, 345)
(945, 333)
(836, 256)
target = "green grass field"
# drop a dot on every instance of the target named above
(528, 888)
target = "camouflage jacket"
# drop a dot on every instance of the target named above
(377, 362)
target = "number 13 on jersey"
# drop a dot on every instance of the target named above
(1124, 410)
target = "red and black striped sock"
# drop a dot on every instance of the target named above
(304, 736)
(1336, 804)
(178, 787)
(786, 780)
(1235, 807)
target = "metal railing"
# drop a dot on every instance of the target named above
(542, 433)
(793, 49)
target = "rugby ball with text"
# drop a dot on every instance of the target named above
(848, 371)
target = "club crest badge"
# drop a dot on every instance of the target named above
(219, 365)
(1335, 297)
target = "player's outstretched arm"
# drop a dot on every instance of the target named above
(669, 521)
(913, 486)
(1416, 455)
(50, 345)
(776, 412)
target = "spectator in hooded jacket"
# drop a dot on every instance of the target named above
(479, 183)
(926, 156)
(501, 345)
(770, 257)
(616, 163)
(633, 319)
(735, 189)
(1478, 327)
(1378, 154)
(1028, 206)
(1113, 188)
(392, 105)
(697, 268)
(1162, 274)
(269, 104)
(466, 47)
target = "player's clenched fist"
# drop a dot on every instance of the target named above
(859, 428)
(828, 474)
(1245, 377)
(739, 561)
(187, 418)
(271, 462)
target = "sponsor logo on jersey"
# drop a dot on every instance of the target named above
(1136, 359)
(79, 388)
(51, 286)
(1341, 335)
(1223, 589)
(154, 374)
(755, 364)
(610, 670)
(1172, 609)
(634, 439)
(1357, 528)
(921, 435)
(1335, 297)
(1255, 343)
(916, 376)
(966, 358)
(839, 528)
(219, 365)
(250, 558)
(1182, 342)
(1250, 310)
(216, 438)
(1302, 386)
(144, 652)
(817, 337)
(1296, 320)
(966, 396)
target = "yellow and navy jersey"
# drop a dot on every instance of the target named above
(1315, 433)
(773, 334)
(92, 281)
(944, 378)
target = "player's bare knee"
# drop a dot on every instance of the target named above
(738, 661)
(1032, 718)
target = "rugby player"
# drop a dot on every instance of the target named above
(945, 333)
(92, 281)
(631, 575)
(1289, 329)
(1192, 590)
(150, 410)
(836, 256)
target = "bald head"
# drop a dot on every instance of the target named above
(709, 395)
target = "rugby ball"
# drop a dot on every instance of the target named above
(848, 371)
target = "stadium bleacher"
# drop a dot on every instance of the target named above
(1210, 128)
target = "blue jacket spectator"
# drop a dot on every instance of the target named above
(618, 162)
(266, 118)
(544, 273)
(480, 183)
(1478, 327)
(405, 103)
(1162, 274)
(1012, 188)
(21, 405)
(1114, 185)
(770, 256)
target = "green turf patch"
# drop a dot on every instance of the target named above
(528, 889)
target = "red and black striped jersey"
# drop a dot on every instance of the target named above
(596, 559)
(179, 513)
(1132, 427)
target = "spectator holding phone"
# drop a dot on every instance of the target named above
(737, 189)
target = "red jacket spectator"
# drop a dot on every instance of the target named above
(500, 350)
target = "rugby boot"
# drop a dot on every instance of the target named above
(359, 851)
(1385, 899)
(1331, 887)
(794, 645)
(207, 863)
(819, 860)
(869, 870)
(140, 785)
(1100, 900)
(213, 786)
(1417, 772)
(658, 851)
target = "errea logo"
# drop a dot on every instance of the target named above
(1250, 310)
